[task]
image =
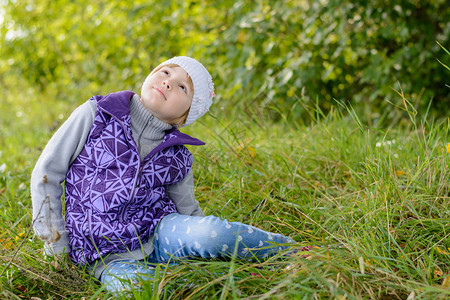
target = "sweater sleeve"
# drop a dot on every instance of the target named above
(50, 172)
(182, 193)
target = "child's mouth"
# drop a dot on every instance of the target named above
(160, 92)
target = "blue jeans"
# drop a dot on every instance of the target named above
(180, 236)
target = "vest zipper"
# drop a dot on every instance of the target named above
(88, 213)
(123, 216)
(125, 208)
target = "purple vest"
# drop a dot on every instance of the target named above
(113, 200)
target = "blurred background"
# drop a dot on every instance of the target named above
(268, 58)
(327, 109)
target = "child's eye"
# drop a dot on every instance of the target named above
(165, 72)
(183, 88)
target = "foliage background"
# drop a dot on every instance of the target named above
(270, 53)
(375, 177)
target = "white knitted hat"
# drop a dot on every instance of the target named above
(203, 86)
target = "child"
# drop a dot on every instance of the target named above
(129, 189)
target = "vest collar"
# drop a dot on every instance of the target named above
(175, 137)
(118, 105)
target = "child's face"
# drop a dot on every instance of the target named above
(166, 93)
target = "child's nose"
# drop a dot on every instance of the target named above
(166, 84)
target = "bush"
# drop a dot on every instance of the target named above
(262, 53)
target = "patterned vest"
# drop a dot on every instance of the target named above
(113, 200)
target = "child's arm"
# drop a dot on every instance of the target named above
(50, 171)
(182, 193)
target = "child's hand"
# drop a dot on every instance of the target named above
(57, 260)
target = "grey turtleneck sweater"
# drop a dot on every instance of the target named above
(62, 149)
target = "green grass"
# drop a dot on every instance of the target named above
(381, 191)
